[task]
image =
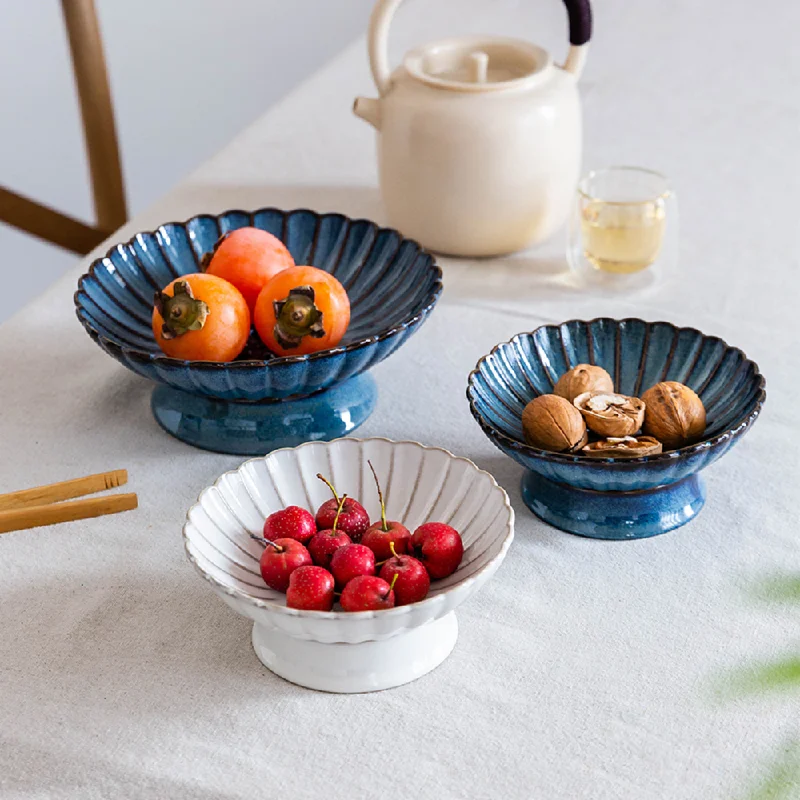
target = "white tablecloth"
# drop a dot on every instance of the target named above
(584, 669)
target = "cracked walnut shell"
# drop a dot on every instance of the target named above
(611, 414)
(583, 378)
(551, 423)
(623, 447)
(675, 415)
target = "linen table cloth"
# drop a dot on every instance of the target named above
(584, 669)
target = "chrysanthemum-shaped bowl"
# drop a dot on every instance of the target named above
(337, 651)
(616, 498)
(392, 284)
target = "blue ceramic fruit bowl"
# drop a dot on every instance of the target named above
(253, 406)
(616, 498)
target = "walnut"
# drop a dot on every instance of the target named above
(611, 414)
(623, 447)
(675, 415)
(551, 423)
(582, 443)
(583, 378)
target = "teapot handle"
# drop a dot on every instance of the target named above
(580, 31)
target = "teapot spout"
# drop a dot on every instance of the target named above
(369, 110)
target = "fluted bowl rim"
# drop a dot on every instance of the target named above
(399, 613)
(526, 450)
(162, 359)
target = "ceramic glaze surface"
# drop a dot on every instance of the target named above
(638, 355)
(257, 428)
(420, 484)
(465, 187)
(479, 138)
(614, 515)
(392, 283)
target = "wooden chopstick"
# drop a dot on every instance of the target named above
(21, 518)
(66, 490)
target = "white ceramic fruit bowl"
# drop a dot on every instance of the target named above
(338, 651)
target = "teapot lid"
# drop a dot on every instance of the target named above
(479, 64)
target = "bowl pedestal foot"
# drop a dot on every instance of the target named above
(251, 429)
(364, 667)
(614, 515)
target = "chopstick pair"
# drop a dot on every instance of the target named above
(42, 505)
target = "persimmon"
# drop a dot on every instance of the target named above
(248, 258)
(302, 310)
(201, 318)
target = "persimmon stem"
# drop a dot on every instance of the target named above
(338, 511)
(329, 485)
(384, 524)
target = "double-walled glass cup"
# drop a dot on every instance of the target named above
(624, 226)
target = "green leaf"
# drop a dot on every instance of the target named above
(782, 589)
(780, 675)
(782, 782)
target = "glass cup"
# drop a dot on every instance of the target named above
(624, 227)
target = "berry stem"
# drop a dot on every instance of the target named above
(329, 485)
(339, 508)
(265, 542)
(384, 524)
(391, 585)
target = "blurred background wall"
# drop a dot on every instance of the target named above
(186, 76)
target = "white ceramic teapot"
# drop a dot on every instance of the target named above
(479, 138)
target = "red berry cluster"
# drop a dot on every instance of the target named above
(339, 553)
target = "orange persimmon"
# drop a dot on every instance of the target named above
(302, 310)
(201, 318)
(248, 258)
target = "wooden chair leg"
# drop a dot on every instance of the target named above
(97, 112)
(48, 224)
(99, 130)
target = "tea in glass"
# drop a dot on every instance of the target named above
(622, 237)
(625, 222)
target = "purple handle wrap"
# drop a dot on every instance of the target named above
(580, 21)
